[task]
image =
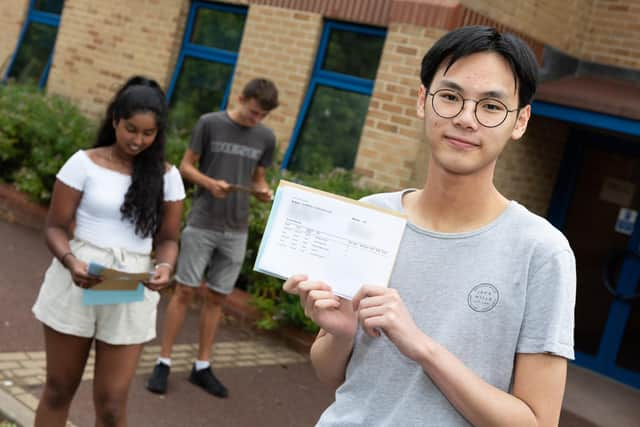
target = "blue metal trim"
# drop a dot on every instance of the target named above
(342, 84)
(322, 49)
(47, 68)
(220, 6)
(204, 52)
(40, 17)
(565, 183)
(296, 130)
(44, 18)
(210, 53)
(589, 118)
(227, 91)
(330, 78)
(363, 29)
(357, 83)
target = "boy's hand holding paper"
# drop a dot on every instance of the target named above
(330, 238)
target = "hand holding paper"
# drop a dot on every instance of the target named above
(333, 239)
(116, 287)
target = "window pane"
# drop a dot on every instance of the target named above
(200, 89)
(353, 53)
(51, 6)
(222, 30)
(331, 131)
(34, 52)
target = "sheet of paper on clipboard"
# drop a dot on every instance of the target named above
(340, 241)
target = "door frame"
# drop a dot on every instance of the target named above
(627, 282)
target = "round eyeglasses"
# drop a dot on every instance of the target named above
(489, 112)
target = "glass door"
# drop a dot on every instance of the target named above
(602, 203)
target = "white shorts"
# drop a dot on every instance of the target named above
(59, 303)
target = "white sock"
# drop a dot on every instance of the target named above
(164, 361)
(202, 364)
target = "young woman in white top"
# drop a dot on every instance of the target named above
(111, 204)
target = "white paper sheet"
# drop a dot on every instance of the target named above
(330, 238)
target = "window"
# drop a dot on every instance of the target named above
(32, 58)
(204, 71)
(330, 122)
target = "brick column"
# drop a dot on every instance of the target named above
(101, 44)
(279, 44)
(392, 153)
(12, 16)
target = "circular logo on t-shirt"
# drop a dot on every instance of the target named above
(483, 297)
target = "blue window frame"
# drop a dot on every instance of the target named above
(32, 58)
(327, 132)
(204, 70)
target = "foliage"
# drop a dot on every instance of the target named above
(331, 131)
(277, 307)
(38, 133)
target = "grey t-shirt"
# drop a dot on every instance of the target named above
(485, 295)
(230, 152)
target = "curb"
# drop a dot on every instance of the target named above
(16, 208)
(16, 410)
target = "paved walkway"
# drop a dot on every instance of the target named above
(270, 384)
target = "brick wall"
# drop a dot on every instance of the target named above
(602, 31)
(612, 35)
(279, 44)
(527, 169)
(392, 152)
(12, 16)
(556, 23)
(101, 44)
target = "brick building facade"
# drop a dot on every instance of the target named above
(589, 50)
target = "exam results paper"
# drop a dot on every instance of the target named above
(340, 241)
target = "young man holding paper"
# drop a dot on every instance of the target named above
(477, 322)
(228, 157)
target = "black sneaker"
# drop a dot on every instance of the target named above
(157, 382)
(204, 378)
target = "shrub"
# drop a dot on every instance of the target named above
(38, 133)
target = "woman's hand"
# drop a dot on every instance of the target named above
(161, 277)
(80, 273)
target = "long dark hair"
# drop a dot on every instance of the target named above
(143, 200)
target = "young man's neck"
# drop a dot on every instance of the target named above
(451, 203)
(234, 115)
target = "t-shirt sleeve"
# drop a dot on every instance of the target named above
(199, 135)
(74, 172)
(267, 155)
(549, 312)
(173, 186)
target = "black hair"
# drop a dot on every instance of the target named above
(466, 41)
(143, 201)
(264, 91)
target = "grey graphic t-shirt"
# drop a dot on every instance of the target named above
(230, 152)
(485, 295)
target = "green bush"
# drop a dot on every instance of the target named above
(276, 307)
(38, 132)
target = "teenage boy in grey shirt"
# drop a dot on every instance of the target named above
(477, 322)
(232, 151)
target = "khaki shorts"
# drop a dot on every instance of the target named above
(59, 303)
